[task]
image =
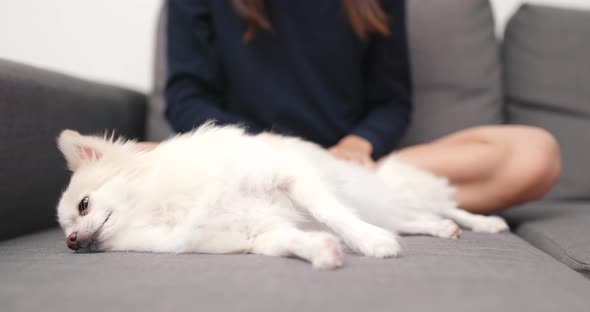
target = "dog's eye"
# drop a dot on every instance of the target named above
(83, 206)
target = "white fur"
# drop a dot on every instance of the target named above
(219, 190)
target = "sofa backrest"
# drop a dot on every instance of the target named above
(546, 55)
(35, 105)
(455, 64)
(158, 128)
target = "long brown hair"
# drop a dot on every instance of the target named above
(365, 16)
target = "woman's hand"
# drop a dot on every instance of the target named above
(356, 149)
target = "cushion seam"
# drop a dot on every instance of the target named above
(568, 259)
(516, 101)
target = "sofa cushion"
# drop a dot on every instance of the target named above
(35, 105)
(547, 74)
(559, 228)
(455, 65)
(157, 128)
(479, 272)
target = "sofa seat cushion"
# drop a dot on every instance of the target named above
(479, 272)
(547, 70)
(559, 228)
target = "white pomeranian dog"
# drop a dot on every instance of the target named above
(220, 190)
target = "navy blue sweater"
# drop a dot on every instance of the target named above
(311, 76)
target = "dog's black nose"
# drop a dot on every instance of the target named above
(72, 242)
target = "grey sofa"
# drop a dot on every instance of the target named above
(538, 75)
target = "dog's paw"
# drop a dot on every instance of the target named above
(490, 224)
(328, 254)
(447, 229)
(379, 243)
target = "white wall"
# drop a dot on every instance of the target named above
(105, 40)
(112, 40)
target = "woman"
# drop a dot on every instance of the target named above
(336, 72)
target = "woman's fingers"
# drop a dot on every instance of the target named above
(369, 162)
(353, 156)
(340, 154)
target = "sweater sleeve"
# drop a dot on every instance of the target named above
(195, 83)
(388, 85)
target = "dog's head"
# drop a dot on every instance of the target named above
(90, 209)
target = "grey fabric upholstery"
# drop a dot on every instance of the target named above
(559, 228)
(479, 272)
(547, 80)
(158, 128)
(455, 67)
(35, 105)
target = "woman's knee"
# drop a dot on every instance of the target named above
(536, 163)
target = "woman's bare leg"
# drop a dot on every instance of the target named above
(493, 167)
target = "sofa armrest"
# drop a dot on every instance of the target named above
(35, 105)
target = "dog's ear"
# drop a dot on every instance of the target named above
(79, 149)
